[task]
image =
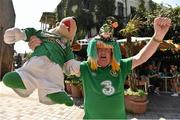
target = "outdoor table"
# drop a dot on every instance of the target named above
(165, 78)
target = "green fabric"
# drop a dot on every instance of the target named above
(104, 91)
(143, 72)
(152, 72)
(31, 31)
(92, 50)
(106, 28)
(127, 65)
(55, 52)
(13, 80)
(61, 97)
(116, 51)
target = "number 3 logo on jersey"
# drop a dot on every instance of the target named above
(108, 89)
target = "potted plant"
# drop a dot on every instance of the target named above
(130, 30)
(67, 81)
(136, 102)
(76, 86)
(178, 87)
(135, 99)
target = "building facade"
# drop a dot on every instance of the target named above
(125, 8)
(87, 10)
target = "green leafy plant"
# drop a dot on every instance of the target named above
(74, 80)
(131, 29)
(139, 92)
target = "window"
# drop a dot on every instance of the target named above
(133, 10)
(120, 9)
(85, 4)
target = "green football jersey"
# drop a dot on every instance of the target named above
(57, 52)
(104, 91)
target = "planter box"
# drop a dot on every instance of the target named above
(136, 104)
(76, 91)
(68, 87)
(178, 89)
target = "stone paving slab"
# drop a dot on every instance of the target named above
(13, 107)
(162, 106)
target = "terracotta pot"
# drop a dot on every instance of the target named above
(76, 91)
(137, 98)
(178, 88)
(68, 87)
(82, 92)
(136, 104)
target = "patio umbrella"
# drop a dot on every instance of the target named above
(135, 39)
(165, 45)
(139, 42)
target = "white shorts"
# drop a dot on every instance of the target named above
(41, 73)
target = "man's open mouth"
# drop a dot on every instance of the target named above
(103, 57)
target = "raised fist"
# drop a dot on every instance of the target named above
(161, 27)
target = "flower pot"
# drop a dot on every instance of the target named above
(82, 92)
(177, 88)
(137, 98)
(136, 104)
(76, 91)
(68, 87)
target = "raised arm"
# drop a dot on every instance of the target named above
(161, 27)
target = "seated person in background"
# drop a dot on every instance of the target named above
(154, 79)
(165, 72)
(143, 73)
(175, 80)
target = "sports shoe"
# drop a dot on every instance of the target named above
(157, 92)
(81, 106)
(175, 94)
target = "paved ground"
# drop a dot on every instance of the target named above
(13, 107)
(163, 106)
